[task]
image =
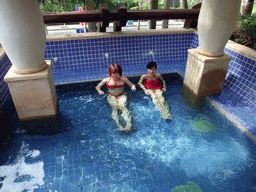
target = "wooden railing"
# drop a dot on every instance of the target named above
(119, 16)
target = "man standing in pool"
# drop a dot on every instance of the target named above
(116, 96)
(153, 84)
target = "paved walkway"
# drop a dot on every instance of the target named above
(70, 29)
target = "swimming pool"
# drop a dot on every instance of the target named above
(198, 149)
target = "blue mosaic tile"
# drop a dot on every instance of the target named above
(239, 86)
(131, 50)
(5, 65)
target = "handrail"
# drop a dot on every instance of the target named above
(119, 16)
(95, 16)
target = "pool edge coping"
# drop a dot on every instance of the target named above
(228, 116)
(118, 34)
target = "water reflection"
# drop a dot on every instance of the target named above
(25, 173)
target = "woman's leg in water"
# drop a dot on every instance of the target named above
(158, 100)
(113, 102)
(125, 112)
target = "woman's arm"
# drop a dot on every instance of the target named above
(146, 91)
(98, 87)
(140, 82)
(161, 78)
(133, 88)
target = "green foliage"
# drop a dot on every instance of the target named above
(245, 31)
(192, 4)
(135, 8)
(145, 6)
(53, 6)
(160, 5)
(129, 3)
(68, 5)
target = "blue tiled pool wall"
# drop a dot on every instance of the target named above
(241, 77)
(195, 42)
(7, 108)
(132, 52)
(240, 85)
(5, 65)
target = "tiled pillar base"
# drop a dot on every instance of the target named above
(34, 95)
(205, 75)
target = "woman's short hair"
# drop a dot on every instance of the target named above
(151, 64)
(115, 68)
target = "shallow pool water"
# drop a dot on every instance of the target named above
(198, 149)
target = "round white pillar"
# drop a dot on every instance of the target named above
(22, 35)
(216, 22)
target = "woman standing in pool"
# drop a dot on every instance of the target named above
(154, 85)
(116, 96)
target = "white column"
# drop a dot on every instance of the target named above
(216, 22)
(22, 35)
(30, 78)
(207, 65)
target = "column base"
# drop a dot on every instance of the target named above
(194, 101)
(29, 71)
(208, 54)
(34, 95)
(205, 75)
